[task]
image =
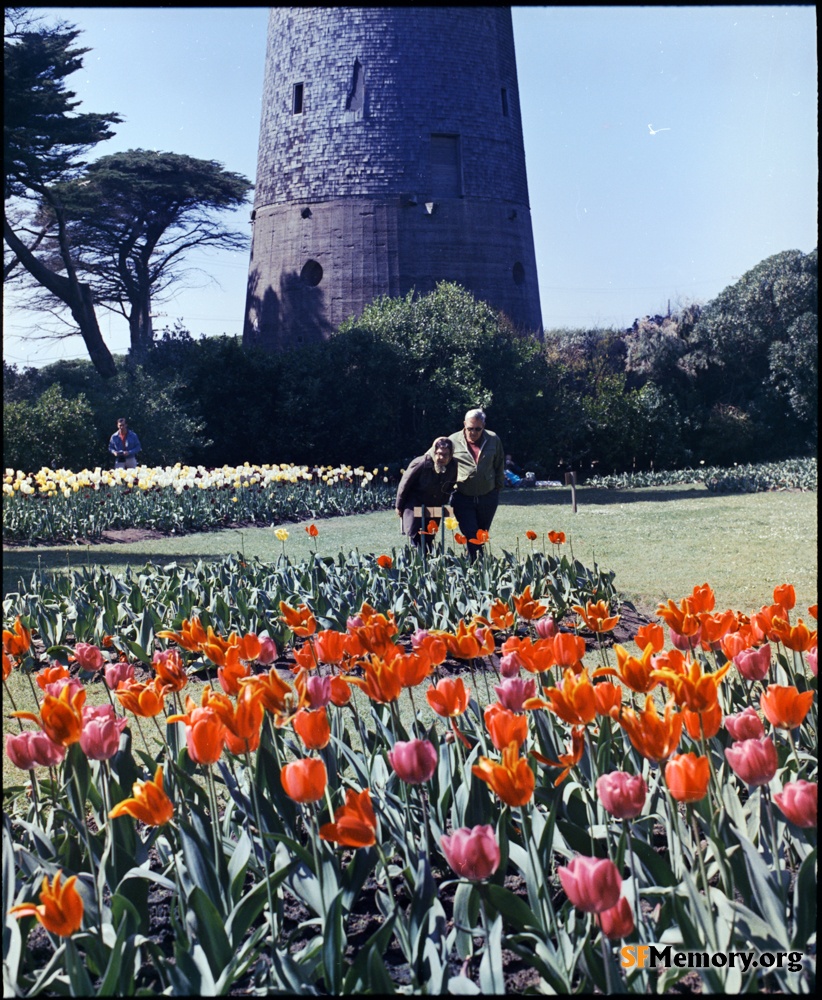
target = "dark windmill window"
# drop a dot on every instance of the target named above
(356, 95)
(504, 96)
(297, 99)
(446, 169)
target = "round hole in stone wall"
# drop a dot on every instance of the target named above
(312, 273)
(519, 273)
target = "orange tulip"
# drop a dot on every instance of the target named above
(566, 760)
(304, 780)
(149, 804)
(480, 538)
(313, 728)
(233, 672)
(652, 635)
(330, 646)
(340, 691)
(412, 668)
(500, 615)
(48, 675)
(573, 702)
(242, 720)
(469, 641)
(703, 724)
(276, 697)
(214, 647)
(355, 824)
(386, 562)
(596, 616)
(608, 698)
(61, 906)
(190, 636)
(687, 777)
(141, 698)
(205, 730)
(653, 736)
(377, 633)
(61, 719)
(527, 607)
(695, 690)
(796, 637)
(735, 643)
(531, 535)
(785, 594)
(7, 666)
(512, 780)
(381, 682)
(169, 667)
(449, 697)
(505, 726)
(637, 674)
(556, 537)
(300, 620)
(312, 530)
(460, 539)
(569, 650)
(785, 707)
(536, 657)
(701, 599)
(17, 641)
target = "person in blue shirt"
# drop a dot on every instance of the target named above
(124, 445)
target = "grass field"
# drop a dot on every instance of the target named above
(659, 541)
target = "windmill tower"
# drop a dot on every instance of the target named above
(390, 158)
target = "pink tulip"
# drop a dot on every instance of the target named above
(514, 691)
(472, 853)
(355, 621)
(317, 691)
(33, 749)
(745, 725)
(419, 637)
(509, 665)
(74, 684)
(414, 761)
(685, 642)
(754, 664)
(592, 884)
(622, 794)
(100, 738)
(89, 657)
(546, 627)
(811, 658)
(754, 761)
(618, 922)
(118, 673)
(797, 800)
(268, 651)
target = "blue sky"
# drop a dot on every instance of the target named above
(624, 221)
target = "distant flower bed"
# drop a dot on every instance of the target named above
(792, 474)
(57, 505)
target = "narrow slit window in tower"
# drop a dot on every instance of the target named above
(504, 96)
(356, 95)
(446, 172)
(297, 100)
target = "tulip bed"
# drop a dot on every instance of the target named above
(389, 785)
(56, 505)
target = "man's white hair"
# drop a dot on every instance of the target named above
(475, 415)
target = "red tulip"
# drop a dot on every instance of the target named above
(33, 749)
(754, 664)
(304, 780)
(745, 725)
(100, 738)
(618, 922)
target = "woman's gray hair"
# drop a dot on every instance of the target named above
(475, 415)
(443, 442)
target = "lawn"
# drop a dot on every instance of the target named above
(660, 541)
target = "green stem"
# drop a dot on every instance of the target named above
(258, 820)
(87, 835)
(215, 833)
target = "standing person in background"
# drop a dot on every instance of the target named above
(428, 482)
(481, 462)
(124, 445)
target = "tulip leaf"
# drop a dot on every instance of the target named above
(804, 902)
(516, 912)
(334, 942)
(491, 978)
(211, 932)
(367, 973)
(466, 911)
(764, 896)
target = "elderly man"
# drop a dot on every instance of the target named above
(481, 475)
(124, 445)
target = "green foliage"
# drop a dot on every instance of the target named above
(54, 431)
(793, 474)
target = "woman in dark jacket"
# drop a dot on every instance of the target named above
(428, 481)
